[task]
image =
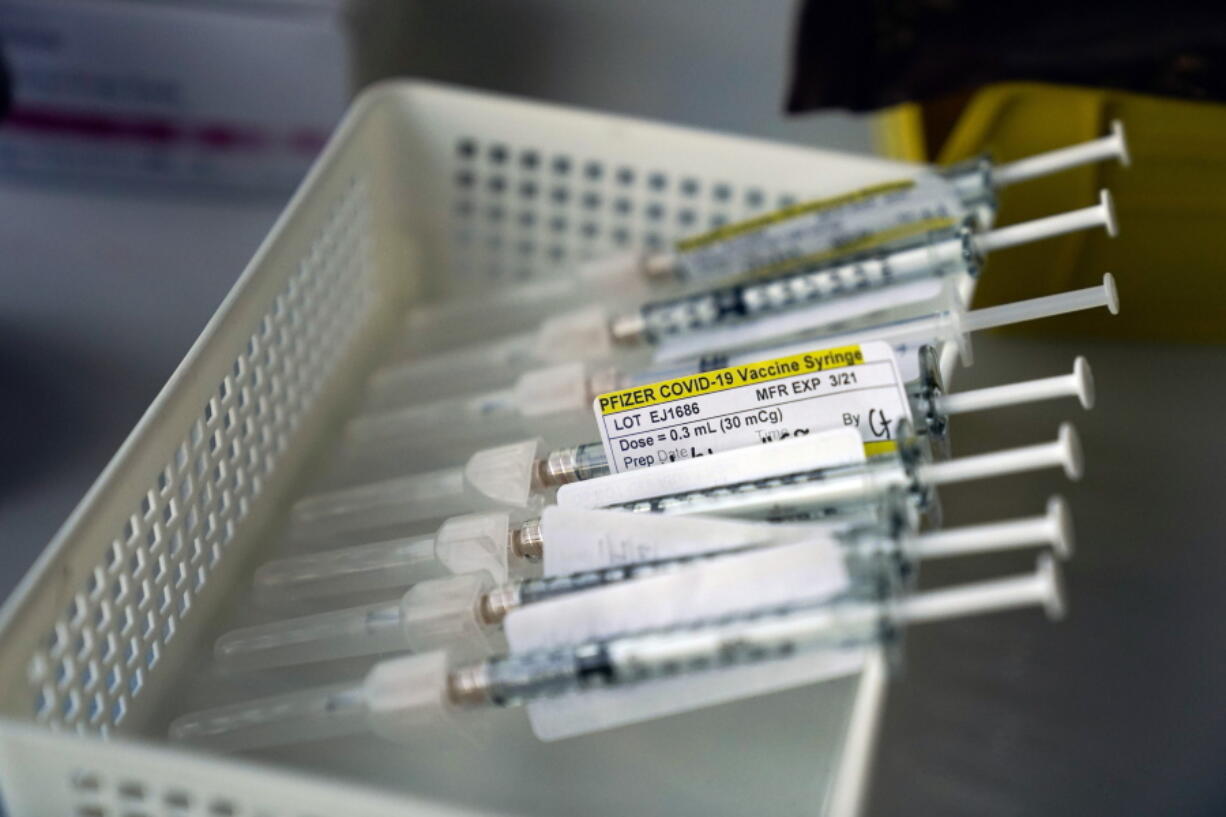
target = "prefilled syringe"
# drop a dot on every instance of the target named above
(869, 218)
(726, 318)
(832, 490)
(523, 475)
(803, 291)
(464, 613)
(847, 223)
(399, 697)
(559, 541)
(954, 325)
(557, 401)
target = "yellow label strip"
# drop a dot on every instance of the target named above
(733, 377)
(868, 242)
(749, 225)
(876, 449)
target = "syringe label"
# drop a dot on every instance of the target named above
(821, 230)
(583, 540)
(756, 403)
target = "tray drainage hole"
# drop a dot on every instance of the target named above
(178, 800)
(132, 790)
(82, 780)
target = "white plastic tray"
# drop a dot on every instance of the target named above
(422, 190)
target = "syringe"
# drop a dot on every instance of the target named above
(557, 401)
(844, 223)
(871, 218)
(726, 318)
(399, 697)
(506, 549)
(936, 255)
(522, 475)
(835, 490)
(464, 613)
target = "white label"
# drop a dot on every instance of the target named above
(598, 709)
(701, 414)
(581, 539)
(813, 232)
(827, 449)
(807, 571)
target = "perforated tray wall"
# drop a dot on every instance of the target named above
(422, 189)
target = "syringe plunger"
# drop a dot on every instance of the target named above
(1099, 215)
(1079, 383)
(1054, 528)
(1064, 452)
(1112, 146)
(1043, 587)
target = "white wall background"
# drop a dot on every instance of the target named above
(721, 64)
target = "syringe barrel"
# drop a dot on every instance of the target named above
(834, 491)
(685, 647)
(535, 590)
(838, 624)
(878, 563)
(928, 329)
(937, 254)
(972, 180)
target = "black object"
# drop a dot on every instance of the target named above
(869, 54)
